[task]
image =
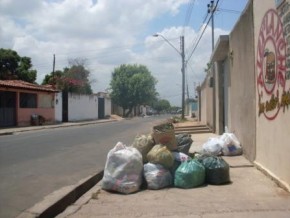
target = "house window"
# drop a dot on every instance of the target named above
(28, 100)
(45, 101)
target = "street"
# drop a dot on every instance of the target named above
(36, 163)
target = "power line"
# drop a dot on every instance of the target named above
(211, 17)
(229, 11)
(201, 25)
(101, 53)
(188, 15)
(196, 44)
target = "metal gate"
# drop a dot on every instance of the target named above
(101, 108)
(64, 106)
(7, 109)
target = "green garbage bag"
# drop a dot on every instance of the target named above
(217, 170)
(189, 174)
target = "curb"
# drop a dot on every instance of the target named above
(37, 128)
(56, 202)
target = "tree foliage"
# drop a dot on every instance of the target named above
(208, 68)
(74, 78)
(12, 66)
(132, 85)
(161, 105)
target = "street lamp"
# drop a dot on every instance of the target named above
(181, 53)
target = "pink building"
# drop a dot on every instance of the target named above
(24, 104)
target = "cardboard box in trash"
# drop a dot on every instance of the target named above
(164, 134)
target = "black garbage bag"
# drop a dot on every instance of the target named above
(217, 170)
(184, 142)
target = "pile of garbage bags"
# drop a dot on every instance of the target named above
(227, 144)
(162, 159)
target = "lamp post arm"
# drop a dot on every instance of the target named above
(156, 35)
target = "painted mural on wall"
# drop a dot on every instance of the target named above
(273, 62)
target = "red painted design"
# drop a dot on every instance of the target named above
(271, 64)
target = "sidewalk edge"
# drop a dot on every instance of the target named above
(56, 202)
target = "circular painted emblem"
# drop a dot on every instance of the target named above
(271, 64)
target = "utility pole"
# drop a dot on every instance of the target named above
(53, 68)
(211, 9)
(181, 53)
(183, 74)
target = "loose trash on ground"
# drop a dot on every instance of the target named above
(162, 159)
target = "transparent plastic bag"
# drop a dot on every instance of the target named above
(157, 176)
(123, 169)
(231, 145)
(213, 146)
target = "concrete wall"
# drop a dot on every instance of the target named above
(273, 88)
(206, 102)
(82, 107)
(203, 103)
(108, 107)
(58, 107)
(241, 89)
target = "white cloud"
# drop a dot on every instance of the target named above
(106, 33)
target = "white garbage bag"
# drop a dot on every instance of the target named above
(179, 156)
(231, 145)
(123, 169)
(157, 176)
(213, 146)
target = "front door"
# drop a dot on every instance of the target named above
(7, 109)
(101, 108)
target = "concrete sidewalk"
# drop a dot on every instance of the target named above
(13, 130)
(250, 194)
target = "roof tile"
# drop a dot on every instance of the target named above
(26, 85)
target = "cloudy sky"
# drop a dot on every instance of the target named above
(109, 33)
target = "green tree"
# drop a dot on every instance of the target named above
(24, 71)
(208, 68)
(48, 79)
(132, 85)
(161, 105)
(12, 66)
(74, 78)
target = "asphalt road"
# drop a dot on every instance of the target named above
(34, 164)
